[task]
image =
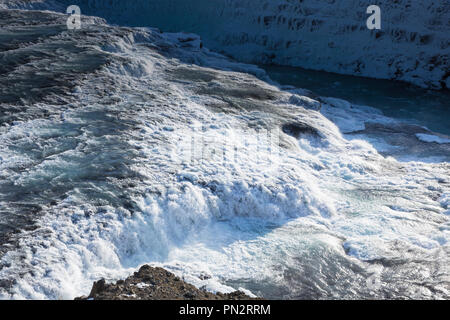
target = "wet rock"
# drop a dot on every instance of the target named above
(298, 128)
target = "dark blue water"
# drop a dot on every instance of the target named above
(395, 99)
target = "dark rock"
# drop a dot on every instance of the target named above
(298, 128)
(97, 288)
(150, 283)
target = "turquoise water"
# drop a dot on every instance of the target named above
(395, 99)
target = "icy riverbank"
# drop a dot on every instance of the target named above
(412, 45)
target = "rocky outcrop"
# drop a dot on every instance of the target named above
(150, 283)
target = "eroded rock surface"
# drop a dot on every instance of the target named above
(151, 283)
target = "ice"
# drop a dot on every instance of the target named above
(432, 138)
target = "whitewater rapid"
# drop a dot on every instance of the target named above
(161, 151)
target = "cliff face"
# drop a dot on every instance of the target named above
(412, 45)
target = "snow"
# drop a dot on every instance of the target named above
(142, 285)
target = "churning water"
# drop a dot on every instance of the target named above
(123, 146)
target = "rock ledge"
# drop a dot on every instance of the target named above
(154, 283)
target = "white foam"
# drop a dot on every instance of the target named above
(234, 217)
(350, 118)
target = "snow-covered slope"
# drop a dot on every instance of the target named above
(413, 44)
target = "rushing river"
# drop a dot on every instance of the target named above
(424, 107)
(122, 146)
